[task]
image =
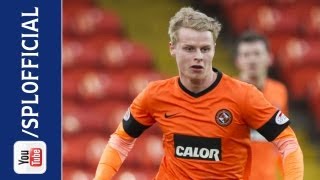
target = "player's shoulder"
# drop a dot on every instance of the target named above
(235, 83)
(276, 84)
(162, 85)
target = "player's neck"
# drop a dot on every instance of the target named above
(257, 81)
(198, 85)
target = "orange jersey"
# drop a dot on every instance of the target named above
(265, 156)
(206, 135)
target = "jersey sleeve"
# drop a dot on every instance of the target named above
(259, 114)
(138, 116)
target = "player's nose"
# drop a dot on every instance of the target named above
(198, 55)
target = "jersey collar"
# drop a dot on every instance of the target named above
(212, 86)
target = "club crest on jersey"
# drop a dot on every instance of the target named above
(223, 117)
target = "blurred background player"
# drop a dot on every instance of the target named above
(253, 58)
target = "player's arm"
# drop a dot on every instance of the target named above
(278, 131)
(119, 145)
(136, 120)
(115, 152)
(275, 129)
(292, 157)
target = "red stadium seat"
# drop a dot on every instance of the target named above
(298, 61)
(312, 18)
(125, 173)
(278, 41)
(77, 173)
(299, 80)
(231, 5)
(100, 117)
(81, 19)
(292, 2)
(97, 85)
(306, 13)
(80, 52)
(72, 51)
(88, 2)
(132, 173)
(241, 15)
(120, 53)
(285, 16)
(84, 149)
(92, 85)
(298, 52)
(270, 19)
(106, 51)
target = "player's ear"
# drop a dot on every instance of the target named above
(172, 49)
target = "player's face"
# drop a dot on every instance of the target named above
(253, 58)
(194, 51)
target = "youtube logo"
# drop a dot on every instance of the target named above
(30, 157)
(35, 157)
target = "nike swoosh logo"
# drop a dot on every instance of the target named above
(169, 115)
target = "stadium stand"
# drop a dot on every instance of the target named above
(102, 72)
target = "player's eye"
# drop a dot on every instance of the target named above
(257, 53)
(206, 49)
(245, 54)
(188, 48)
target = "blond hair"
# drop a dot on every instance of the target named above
(187, 17)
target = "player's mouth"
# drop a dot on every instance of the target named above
(196, 67)
(252, 67)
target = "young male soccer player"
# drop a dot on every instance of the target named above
(205, 115)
